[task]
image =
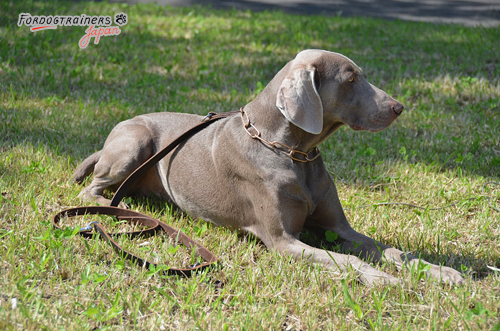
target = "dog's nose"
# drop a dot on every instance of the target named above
(397, 108)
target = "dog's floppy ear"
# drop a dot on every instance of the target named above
(299, 100)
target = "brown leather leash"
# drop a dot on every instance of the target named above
(154, 226)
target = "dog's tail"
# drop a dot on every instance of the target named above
(86, 167)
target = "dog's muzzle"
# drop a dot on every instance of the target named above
(397, 108)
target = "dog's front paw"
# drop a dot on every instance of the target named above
(440, 273)
(446, 275)
(371, 276)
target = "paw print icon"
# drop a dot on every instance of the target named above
(120, 19)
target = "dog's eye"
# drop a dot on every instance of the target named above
(352, 79)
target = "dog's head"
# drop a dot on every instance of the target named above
(322, 88)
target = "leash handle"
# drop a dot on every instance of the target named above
(134, 217)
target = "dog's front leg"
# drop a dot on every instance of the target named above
(367, 274)
(279, 228)
(330, 216)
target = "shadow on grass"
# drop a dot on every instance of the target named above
(179, 59)
(158, 207)
(471, 262)
(467, 12)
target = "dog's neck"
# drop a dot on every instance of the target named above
(268, 119)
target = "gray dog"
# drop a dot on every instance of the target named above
(260, 171)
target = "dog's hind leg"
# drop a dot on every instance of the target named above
(128, 145)
(86, 167)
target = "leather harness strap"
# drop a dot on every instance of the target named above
(134, 217)
(139, 172)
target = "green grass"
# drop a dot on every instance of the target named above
(58, 103)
